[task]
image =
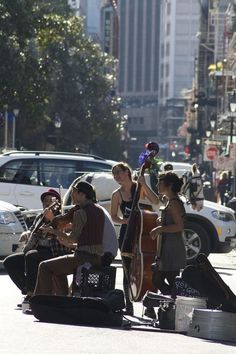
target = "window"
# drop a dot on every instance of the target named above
(167, 49)
(20, 172)
(168, 8)
(161, 91)
(93, 166)
(168, 29)
(162, 70)
(56, 173)
(167, 69)
(167, 90)
(162, 50)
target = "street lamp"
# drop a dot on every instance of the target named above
(208, 132)
(57, 121)
(6, 126)
(213, 123)
(15, 115)
(57, 124)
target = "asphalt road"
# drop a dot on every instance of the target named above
(20, 333)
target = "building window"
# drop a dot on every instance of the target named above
(168, 8)
(141, 120)
(167, 89)
(168, 29)
(167, 69)
(167, 49)
(161, 91)
(162, 70)
(162, 50)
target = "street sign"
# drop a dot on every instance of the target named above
(213, 142)
(210, 152)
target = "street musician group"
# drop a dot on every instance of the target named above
(56, 245)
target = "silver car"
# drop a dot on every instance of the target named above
(12, 224)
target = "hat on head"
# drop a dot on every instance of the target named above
(52, 193)
(168, 167)
(87, 189)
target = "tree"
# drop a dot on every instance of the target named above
(49, 65)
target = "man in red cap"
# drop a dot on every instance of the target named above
(22, 267)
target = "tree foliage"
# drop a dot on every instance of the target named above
(49, 66)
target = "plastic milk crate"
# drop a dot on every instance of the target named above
(94, 280)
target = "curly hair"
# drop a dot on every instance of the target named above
(172, 179)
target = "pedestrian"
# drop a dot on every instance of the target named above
(22, 267)
(168, 167)
(121, 202)
(86, 237)
(223, 187)
(169, 228)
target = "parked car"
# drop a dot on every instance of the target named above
(25, 175)
(211, 230)
(12, 224)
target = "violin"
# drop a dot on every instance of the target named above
(61, 221)
(32, 241)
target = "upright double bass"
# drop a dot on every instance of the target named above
(141, 222)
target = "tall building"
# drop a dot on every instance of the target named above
(90, 10)
(139, 23)
(178, 49)
(109, 27)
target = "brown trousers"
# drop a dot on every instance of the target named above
(52, 274)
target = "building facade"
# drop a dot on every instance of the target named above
(178, 49)
(139, 24)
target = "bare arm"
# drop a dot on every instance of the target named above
(176, 212)
(147, 191)
(115, 204)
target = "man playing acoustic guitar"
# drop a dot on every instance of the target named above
(22, 267)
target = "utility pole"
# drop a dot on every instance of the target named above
(6, 127)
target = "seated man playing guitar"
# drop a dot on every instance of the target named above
(22, 267)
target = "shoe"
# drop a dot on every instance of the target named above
(150, 312)
(26, 304)
(19, 306)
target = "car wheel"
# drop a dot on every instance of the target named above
(196, 241)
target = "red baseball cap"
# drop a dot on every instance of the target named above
(51, 192)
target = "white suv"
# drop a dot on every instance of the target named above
(211, 230)
(25, 175)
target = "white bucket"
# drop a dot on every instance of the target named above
(184, 310)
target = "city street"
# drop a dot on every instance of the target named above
(22, 333)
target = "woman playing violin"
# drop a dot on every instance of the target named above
(121, 200)
(22, 267)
